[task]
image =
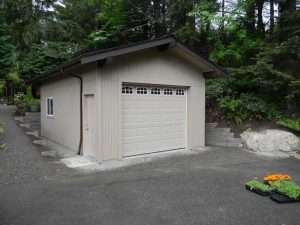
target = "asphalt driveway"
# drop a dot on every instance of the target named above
(207, 188)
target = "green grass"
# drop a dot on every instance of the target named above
(3, 147)
(292, 124)
(2, 130)
(257, 185)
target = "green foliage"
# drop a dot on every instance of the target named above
(218, 88)
(3, 147)
(237, 52)
(264, 66)
(259, 186)
(290, 123)
(247, 107)
(287, 188)
(45, 57)
(20, 103)
(7, 51)
(2, 131)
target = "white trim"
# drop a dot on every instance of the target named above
(186, 92)
(47, 109)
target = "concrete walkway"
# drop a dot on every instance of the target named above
(206, 188)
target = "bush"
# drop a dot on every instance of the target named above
(20, 103)
(3, 146)
(247, 107)
(217, 88)
(26, 102)
(292, 124)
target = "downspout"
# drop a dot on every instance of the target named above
(81, 115)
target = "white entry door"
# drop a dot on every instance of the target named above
(89, 134)
(153, 119)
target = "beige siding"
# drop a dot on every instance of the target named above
(64, 127)
(150, 67)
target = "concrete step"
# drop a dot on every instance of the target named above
(211, 125)
(32, 114)
(219, 134)
(213, 141)
(34, 122)
(19, 119)
(25, 125)
(34, 127)
(218, 129)
(30, 117)
(34, 134)
(220, 144)
(30, 120)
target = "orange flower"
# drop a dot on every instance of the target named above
(275, 177)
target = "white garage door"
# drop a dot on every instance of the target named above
(153, 119)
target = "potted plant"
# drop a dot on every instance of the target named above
(258, 187)
(34, 105)
(20, 102)
(285, 191)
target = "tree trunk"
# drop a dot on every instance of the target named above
(288, 6)
(250, 16)
(271, 16)
(260, 22)
(223, 15)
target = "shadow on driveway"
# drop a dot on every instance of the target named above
(207, 188)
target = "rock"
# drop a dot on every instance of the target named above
(40, 142)
(25, 125)
(271, 142)
(33, 133)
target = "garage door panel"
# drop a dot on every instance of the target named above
(153, 137)
(153, 122)
(141, 120)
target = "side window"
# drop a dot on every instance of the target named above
(155, 91)
(168, 91)
(50, 106)
(141, 91)
(179, 91)
(127, 90)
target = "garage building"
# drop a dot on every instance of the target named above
(142, 98)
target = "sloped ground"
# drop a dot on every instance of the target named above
(207, 188)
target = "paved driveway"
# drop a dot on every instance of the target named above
(207, 188)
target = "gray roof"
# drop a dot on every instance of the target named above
(102, 55)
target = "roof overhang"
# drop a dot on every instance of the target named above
(105, 55)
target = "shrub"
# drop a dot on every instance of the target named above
(20, 102)
(292, 124)
(217, 88)
(3, 146)
(247, 107)
(26, 102)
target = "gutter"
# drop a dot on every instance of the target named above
(81, 114)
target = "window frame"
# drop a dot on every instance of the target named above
(127, 90)
(50, 113)
(168, 91)
(180, 92)
(142, 91)
(155, 91)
